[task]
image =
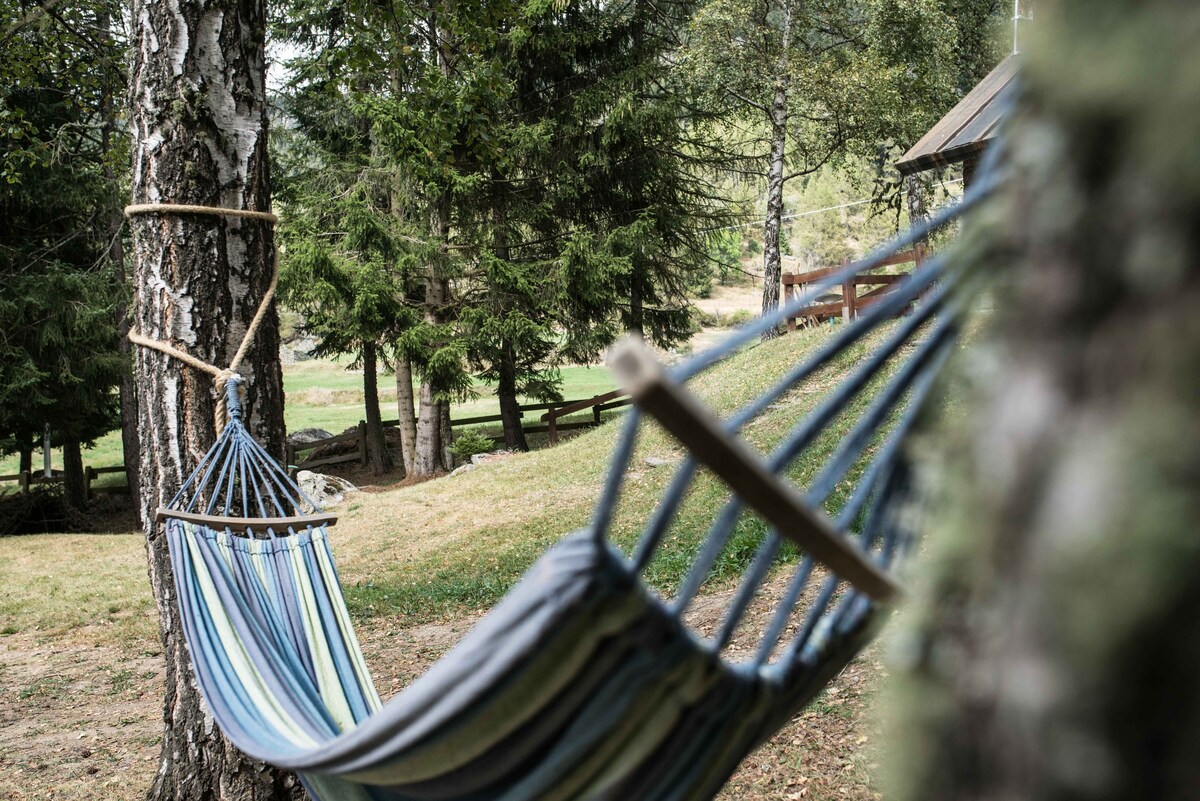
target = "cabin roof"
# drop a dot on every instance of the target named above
(967, 129)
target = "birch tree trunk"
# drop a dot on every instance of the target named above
(1057, 653)
(772, 257)
(198, 109)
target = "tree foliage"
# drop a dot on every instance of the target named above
(532, 180)
(805, 84)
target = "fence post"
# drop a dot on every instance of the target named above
(23, 481)
(788, 289)
(596, 413)
(552, 426)
(849, 297)
(362, 442)
(89, 475)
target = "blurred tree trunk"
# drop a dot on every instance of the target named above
(199, 120)
(1057, 653)
(25, 449)
(127, 393)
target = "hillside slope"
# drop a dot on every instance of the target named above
(459, 543)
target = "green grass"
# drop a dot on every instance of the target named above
(63, 584)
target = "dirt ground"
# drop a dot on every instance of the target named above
(82, 721)
(725, 300)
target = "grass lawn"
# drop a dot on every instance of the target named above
(80, 678)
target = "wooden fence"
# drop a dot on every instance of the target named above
(849, 302)
(599, 404)
(550, 419)
(27, 479)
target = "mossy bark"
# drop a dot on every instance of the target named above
(1056, 648)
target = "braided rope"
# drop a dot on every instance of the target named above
(221, 376)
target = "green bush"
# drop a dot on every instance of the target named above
(469, 443)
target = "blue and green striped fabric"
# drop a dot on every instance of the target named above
(580, 684)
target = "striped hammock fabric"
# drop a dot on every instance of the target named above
(578, 685)
(582, 683)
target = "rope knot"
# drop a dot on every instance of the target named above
(229, 398)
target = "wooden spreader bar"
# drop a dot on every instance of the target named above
(256, 523)
(743, 470)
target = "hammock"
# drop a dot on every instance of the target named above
(582, 682)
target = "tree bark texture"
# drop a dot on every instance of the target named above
(405, 410)
(510, 407)
(1056, 653)
(198, 113)
(377, 452)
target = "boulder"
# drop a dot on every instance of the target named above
(306, 435)
(324, 490)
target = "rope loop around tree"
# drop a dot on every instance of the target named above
(226, 380)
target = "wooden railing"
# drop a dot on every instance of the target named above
(27, 479)
(553, 411)
(850, 302)
(599, 404)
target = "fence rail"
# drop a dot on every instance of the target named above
(28, 478)
(849, 303)
(554, 411)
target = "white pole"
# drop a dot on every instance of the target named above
(1016, 26)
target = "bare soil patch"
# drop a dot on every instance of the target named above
(725, 300)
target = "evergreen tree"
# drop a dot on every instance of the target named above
(344, 263)
(543, 150)
(58, 293)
